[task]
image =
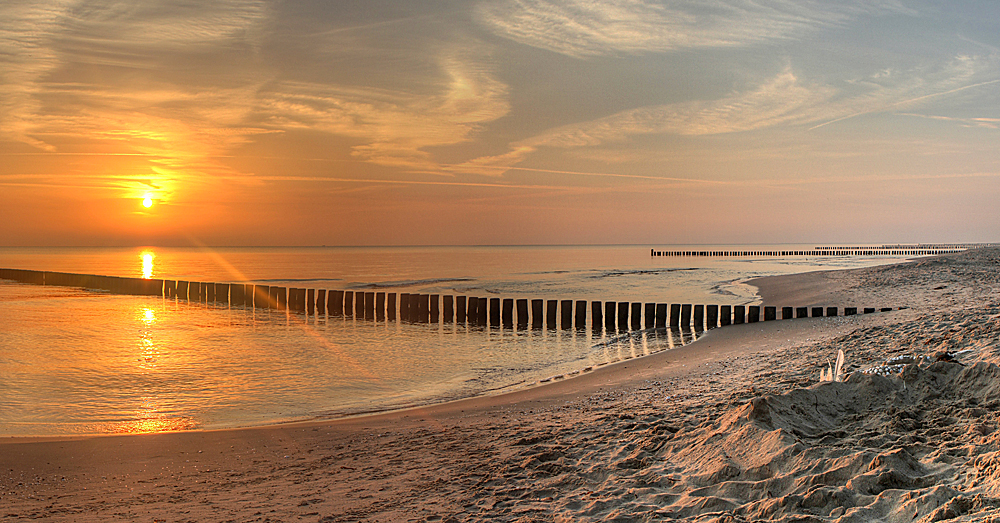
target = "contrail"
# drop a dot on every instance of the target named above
(917, 99)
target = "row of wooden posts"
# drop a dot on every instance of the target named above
(433, 308)
(814, 252)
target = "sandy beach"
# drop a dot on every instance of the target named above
(734, 427)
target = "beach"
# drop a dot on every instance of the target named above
(734, 427)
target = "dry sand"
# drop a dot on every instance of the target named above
(733, 427)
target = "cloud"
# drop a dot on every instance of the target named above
(784, 100)
(981, 122)
(598, 27)
(395, 128)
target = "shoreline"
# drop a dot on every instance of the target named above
(626, 440)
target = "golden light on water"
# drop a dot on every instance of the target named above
(147, 264)
(149, 316)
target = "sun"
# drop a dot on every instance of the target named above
(147, 202)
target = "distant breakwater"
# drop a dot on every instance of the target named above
(435, 308)
(883, 250)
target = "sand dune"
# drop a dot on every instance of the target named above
(734, 427)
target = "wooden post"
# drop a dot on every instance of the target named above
(282, 299)
(725, 315)
(713, 316)
(550, 314)
(831, 311)
(413, 310)
(370, 305)
(609, 316)
(404, 306)
(335, 306)
(850, 311)
(739, 314)
(369, 302)
(869, 310)
(379, 306)
(348, 303)
(699, 317)
(272, 297)
(321, 302)
(237, 295)
(581, 314)
(536, 314)
(786, 313)
(650, 315)
(182, 289)
(661, 316)
(460, 309)
(675, 314)
(885, 309)
(390, 307)
(222, 293)
(753, 314)
(635, 321)
(449, 308)
(435, 308)
(686, 315)
(817, 312)
(595, 316)
(359, 304)
(770, 313)
(208, 292)
(261, 295)
(296, 299)
(507, 313)
(473, 315)
(802, 312)
(169, 289)
(566, 314)
(301, 304)
(482, 311)
(310, 301)
(424, 308)
(248, 295)
(522, 313)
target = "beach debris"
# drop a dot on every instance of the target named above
(834, 372)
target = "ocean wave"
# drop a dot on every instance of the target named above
(642, 272)
(408, 283)
(283, 280)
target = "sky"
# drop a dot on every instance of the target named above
(255, 122)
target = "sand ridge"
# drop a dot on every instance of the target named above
(734, 427)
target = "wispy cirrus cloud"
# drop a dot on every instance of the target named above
(982, 122)
(395, 128)
(783, 100)
(599, 27)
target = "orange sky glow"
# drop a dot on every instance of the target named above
(249, 122)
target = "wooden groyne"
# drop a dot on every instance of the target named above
(434, 308)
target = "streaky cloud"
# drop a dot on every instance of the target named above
(583, 28)
(784, 100)
(395, 127)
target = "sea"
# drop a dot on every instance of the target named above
(84, 362)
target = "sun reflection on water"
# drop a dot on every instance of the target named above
(147, 264)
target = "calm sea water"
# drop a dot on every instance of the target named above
(84, 362)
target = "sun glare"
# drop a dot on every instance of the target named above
(147, 202)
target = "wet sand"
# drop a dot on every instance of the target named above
(733, 427)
